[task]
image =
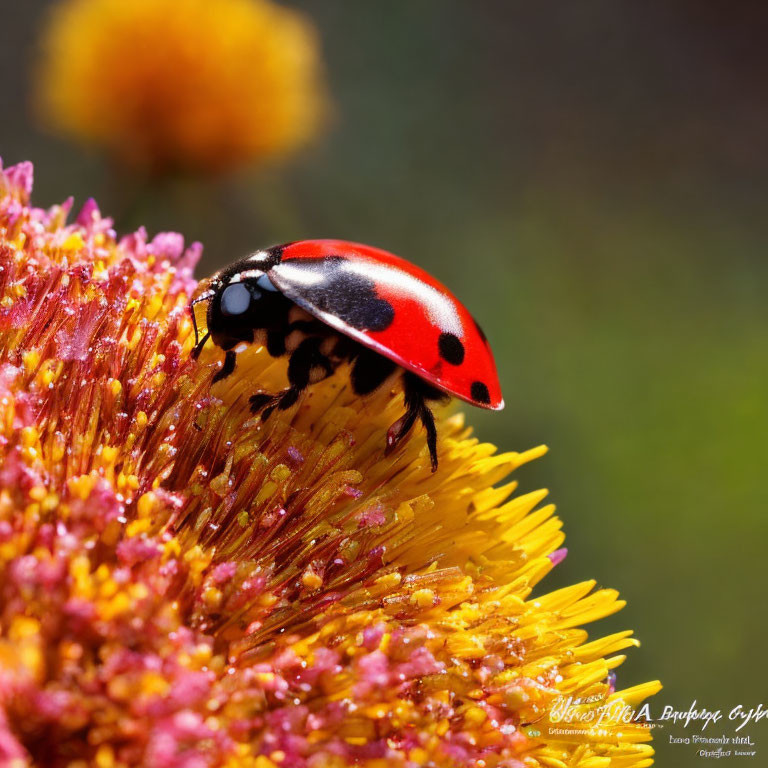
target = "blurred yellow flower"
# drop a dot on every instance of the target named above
(191, 85)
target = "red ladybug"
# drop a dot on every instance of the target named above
(324, 302)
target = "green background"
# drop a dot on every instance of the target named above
(591, 179)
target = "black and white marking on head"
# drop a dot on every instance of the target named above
(450, 348)
(244, 274)
(479, 392)
(266, 259)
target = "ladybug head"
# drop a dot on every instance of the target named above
(241, 298)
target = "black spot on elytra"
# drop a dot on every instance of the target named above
(479, 392)
(451, 349)
(347, 295)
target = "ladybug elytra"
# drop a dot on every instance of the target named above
(323, 302)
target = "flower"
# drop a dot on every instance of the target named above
(191, 85)
(184, 586)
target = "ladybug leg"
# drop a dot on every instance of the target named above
(259, 401)
(228, 368)
(305, 359)
(400, 429)
(307, 326)
(417, 394)
(428, 420)
(276, 342)
(370, 371)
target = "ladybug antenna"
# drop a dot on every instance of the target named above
(202, 297)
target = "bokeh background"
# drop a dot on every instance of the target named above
(591, 178)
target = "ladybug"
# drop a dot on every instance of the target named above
(324, 302)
